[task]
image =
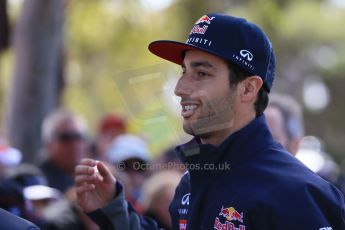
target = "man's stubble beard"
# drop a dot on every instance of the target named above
(219, 117)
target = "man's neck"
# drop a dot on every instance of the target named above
(216, 138)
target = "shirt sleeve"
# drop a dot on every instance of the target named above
(119, 215)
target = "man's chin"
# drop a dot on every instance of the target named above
(204, 129)
(196, 129)
(187, 127)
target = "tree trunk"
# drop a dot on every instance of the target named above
(37, 79)
(4, 27)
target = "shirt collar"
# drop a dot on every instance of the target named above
(237, 148)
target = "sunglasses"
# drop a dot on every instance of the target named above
(69, 136)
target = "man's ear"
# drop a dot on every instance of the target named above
(250, 88)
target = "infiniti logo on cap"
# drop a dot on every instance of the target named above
(246, 54)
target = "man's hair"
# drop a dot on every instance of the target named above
(55, 118)
(237, 75)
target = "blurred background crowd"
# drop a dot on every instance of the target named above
(76, 80)
(43, 191)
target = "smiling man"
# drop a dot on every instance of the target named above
(209, 100)
(227, 72)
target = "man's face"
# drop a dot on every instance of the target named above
(275, 122)
(68, 144)
(207, 100)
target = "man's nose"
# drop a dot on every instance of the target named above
(183, 87)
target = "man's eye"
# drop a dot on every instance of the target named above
(202, 74)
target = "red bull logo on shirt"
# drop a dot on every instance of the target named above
(183, 224)
(227, 225)
(231, 215)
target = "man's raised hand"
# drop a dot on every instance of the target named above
(95, 184)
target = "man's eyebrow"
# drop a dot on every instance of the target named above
(196, 64)
(199, 63)
(202, 64)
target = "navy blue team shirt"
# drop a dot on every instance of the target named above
(249, 182)
(256, 184)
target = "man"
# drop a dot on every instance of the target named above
(227, 71)
(14, 208)
(132, 153)
(64, 139)
(110, 127)
(10, 221)
(284, 118)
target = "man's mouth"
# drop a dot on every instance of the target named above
(188, 109)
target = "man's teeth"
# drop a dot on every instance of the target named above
(189, 107)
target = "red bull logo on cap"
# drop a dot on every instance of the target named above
(197, 29)
(205, 19)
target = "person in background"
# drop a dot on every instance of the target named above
(130, 155)
(10, 221)
(157, 194)
(12, 199)
(36, 191)
(110, 127)
(65, 214)
(285, 120)
(9, 157)
(65, 144)
(27, 174)
(169, 160)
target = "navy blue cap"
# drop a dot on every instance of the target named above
(233, 39)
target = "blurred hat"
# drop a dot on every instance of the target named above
(231, 38)
(127, 146)
(27, 174)
(112, 121)
(41, 192)
(33, 182)
(9, 156)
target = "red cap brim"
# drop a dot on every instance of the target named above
(171, 50)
